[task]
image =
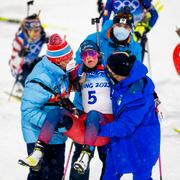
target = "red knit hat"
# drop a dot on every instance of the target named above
(58, 49)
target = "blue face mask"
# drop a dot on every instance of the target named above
(121, 33)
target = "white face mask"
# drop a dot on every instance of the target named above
(121, 33)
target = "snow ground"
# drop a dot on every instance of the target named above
(68, 17)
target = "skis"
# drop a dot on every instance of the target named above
(158, 6)
(10, 20)
(44, 25)
(13, 97)
(177, 130)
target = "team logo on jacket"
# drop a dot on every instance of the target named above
(133, 4)
(119, 100)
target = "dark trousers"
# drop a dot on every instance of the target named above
(74, 175)
(52, 167)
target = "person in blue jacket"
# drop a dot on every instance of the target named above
(135, 132)
(116, 35)
(41, 100)
(144, 12)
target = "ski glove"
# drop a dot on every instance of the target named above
(156, 100)
(141, 30)
(23, 52)
(16, 66)
(75, 112)
(100, 6)
(65, 124)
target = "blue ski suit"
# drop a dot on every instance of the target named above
(135, 132)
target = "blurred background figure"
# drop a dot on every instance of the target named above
(144, 12)
(26, 48)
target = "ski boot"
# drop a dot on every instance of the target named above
(35, 158)
(83, 161)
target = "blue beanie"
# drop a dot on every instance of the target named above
(88, 44)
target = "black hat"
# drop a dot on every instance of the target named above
(121, 63)
(88, 44)
(124, 16)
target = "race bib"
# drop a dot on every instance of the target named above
(96, 93)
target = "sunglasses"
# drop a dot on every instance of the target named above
(32, 25)
(91, 52)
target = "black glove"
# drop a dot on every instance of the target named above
(141, 30)
(100, 6)
(138, 35)
(64, 125)
(23, 52)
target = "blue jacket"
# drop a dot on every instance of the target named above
(135, 132)
(107, 46)
(136, 9)
(107, 49)
(35, 97)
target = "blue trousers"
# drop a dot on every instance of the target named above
(52, 167)
(145, 175)
(112, 174)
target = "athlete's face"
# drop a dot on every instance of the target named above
(90, 58)
(63, 64)
(34, 34)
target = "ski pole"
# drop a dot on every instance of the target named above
(160, 167)
(148, 58)
(28, 6)
(67, 162)
(12, 89)
(97, 21)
